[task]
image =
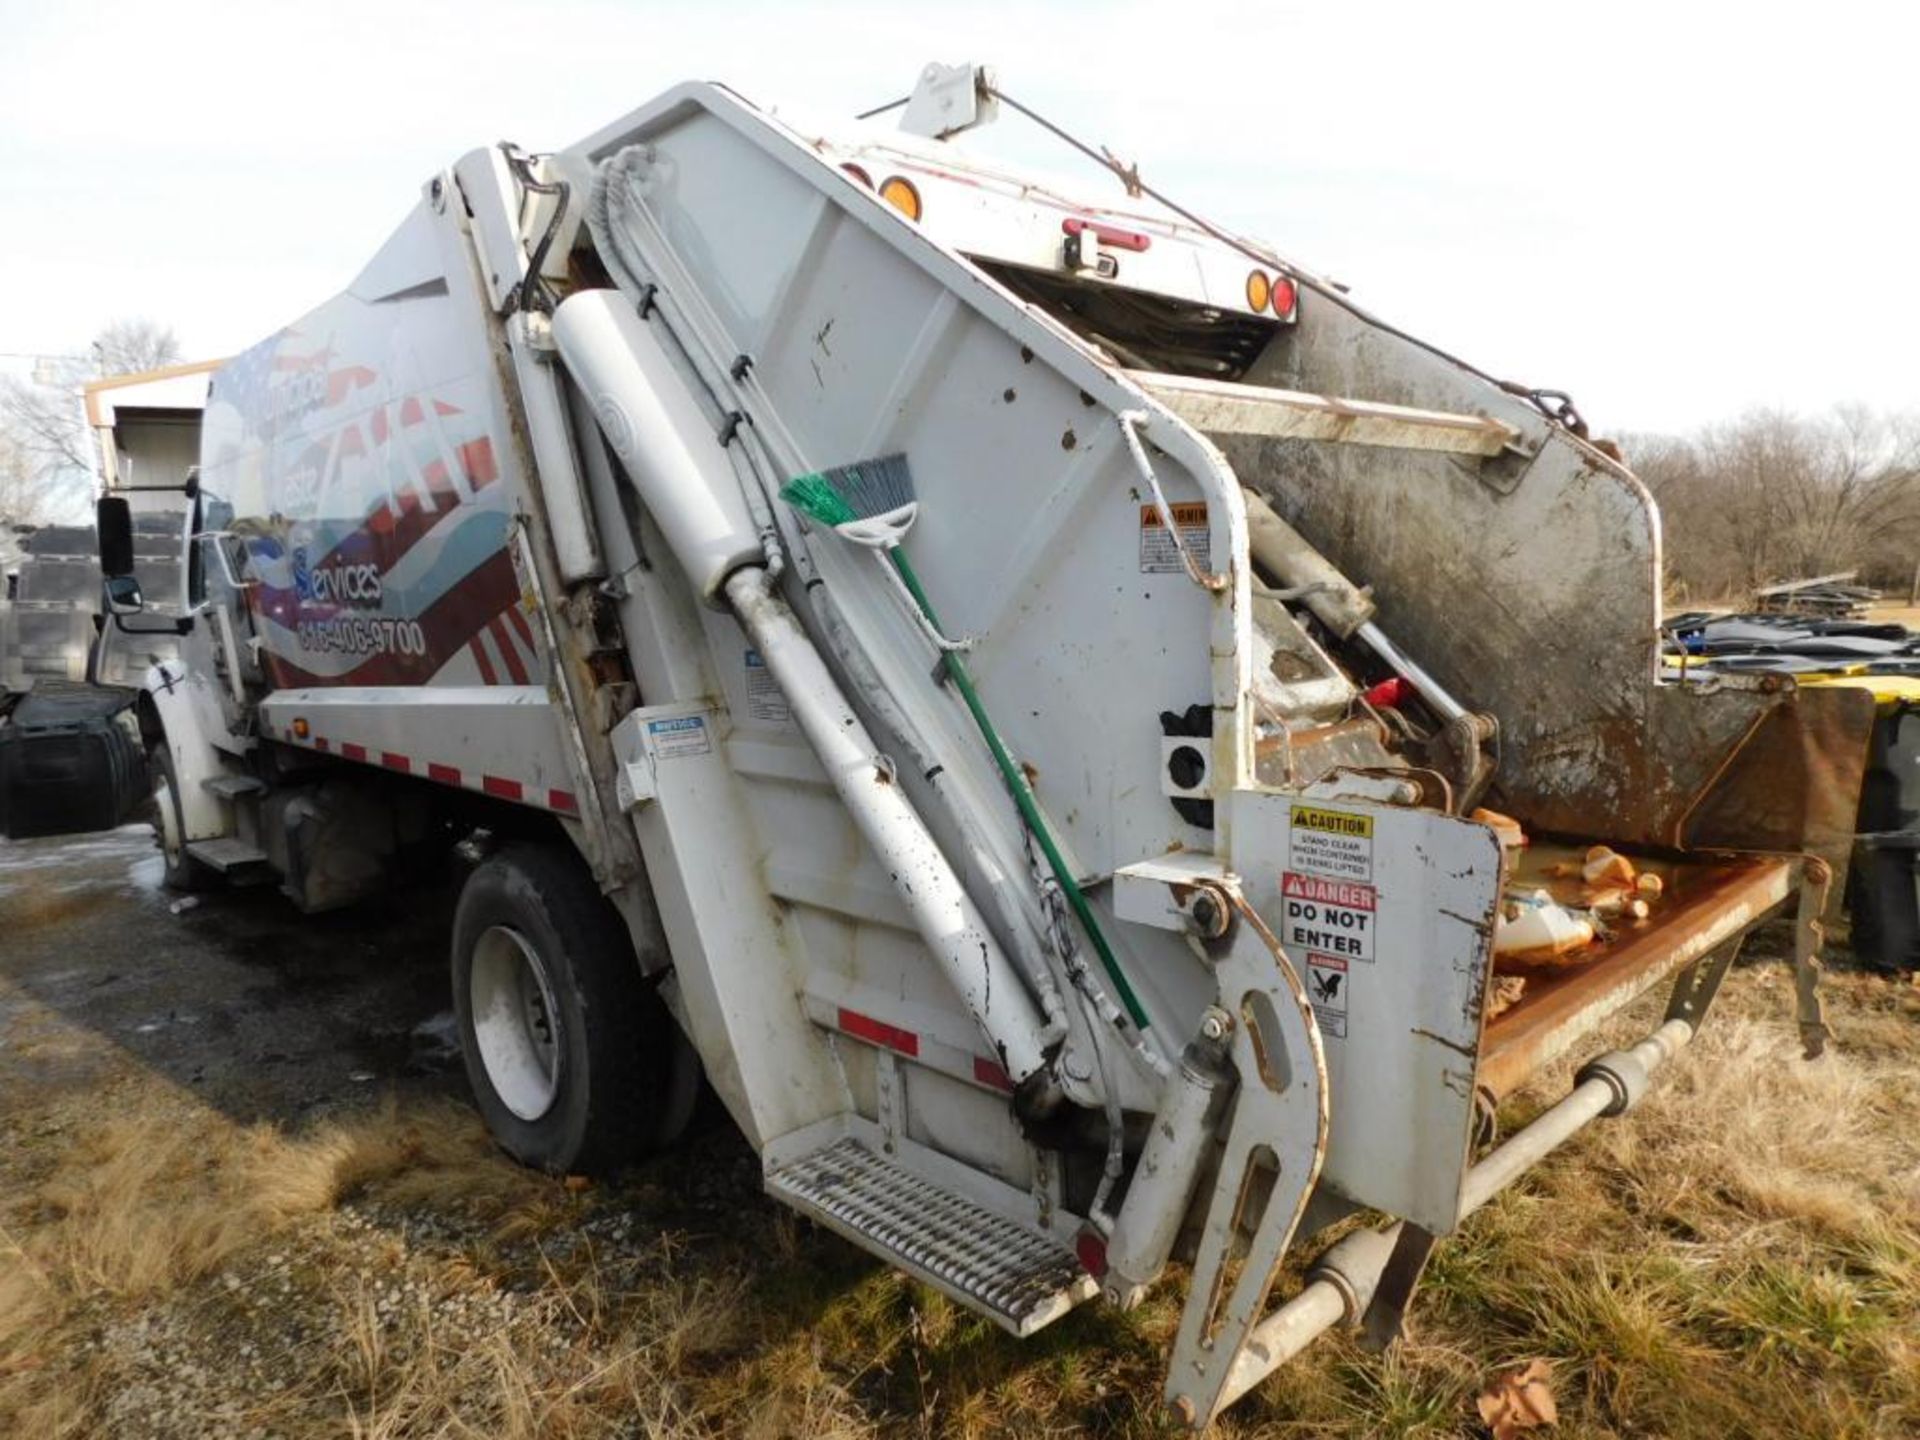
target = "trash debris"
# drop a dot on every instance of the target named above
(1505, 994)
(1617, 903)
(360, 1077)
(1818, 594)
(1519, 1400)
(434, 1042)
(1535, 927)
(1512, 837)
(1606, 867)
(184, 904)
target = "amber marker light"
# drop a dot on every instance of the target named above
(899, 192)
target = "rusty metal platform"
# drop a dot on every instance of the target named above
(1707, 903)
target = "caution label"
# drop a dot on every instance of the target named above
(1158, 554)
(1334, 843)
(1327, 990)
(1327, 917)
(765, 699)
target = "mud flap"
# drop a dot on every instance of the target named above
(1278, 1131)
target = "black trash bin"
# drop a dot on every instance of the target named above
(1882, 898)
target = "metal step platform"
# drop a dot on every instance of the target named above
(1019, 1278)
(229, 787)
(229, 857)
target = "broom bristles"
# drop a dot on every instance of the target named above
(815, 497)
(852, 492)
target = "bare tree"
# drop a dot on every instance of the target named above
(23, 499)
(44, 430)
(1775, 495)
(126, 347)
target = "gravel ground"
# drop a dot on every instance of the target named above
(230, 1025)
(242, 1194)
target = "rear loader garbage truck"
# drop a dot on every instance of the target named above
(1104, 754)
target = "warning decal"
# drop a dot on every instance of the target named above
(1327, 892)
(765, 699)
(1328, 917)
(678, 735)
(1158, 554)
(1336, 843)
(1327, 989)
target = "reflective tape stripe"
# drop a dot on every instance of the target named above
(501, 787)
(892, 1037)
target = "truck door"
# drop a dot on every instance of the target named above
(220, 574)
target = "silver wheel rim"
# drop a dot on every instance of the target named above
(515, 1022)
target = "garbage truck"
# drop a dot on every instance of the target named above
(1109, 758)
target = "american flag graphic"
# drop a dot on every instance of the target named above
(384, 559)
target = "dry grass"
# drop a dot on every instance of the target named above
(1740, 1258)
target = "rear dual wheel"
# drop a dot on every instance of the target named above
(574, 1061)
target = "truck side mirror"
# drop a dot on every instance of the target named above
(113, 521)
(123, 595)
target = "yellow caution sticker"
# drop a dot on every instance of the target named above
(1334, 843)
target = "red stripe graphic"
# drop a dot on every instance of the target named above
(991, 1072)
(347, 379)
(392, 528)
(509, 652)
(479, 650)
(519, 619)
(476, 459)
(500, 787)
(879, 1032)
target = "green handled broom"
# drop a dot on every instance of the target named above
(871, 503)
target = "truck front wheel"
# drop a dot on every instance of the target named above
(181, 871)
(575, 1063)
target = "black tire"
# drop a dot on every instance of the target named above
(620, 1079)
(181, 871)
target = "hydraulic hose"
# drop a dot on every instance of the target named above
(1022, 792)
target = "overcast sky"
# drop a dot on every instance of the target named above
(1673, 216)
